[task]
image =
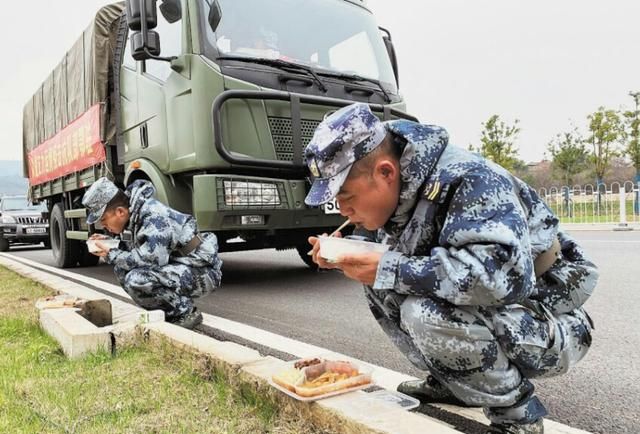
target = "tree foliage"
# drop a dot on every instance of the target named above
(569, 155)
(632, 121)
(607, 131)
(497, 142)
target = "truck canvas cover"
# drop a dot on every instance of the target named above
(79, 82)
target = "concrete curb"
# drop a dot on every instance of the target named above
(349, 413)
(76, 335)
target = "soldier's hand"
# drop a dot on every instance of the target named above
(315, 253)
(362, 267)
(104, 249)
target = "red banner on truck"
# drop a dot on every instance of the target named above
(76, 147)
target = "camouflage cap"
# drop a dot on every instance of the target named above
(340, 140)
(97, 197)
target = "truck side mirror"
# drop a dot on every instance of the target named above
(142, 49)
(391, 52)
(215, 14)
(141, 17)
(171, 10)
(137, 10)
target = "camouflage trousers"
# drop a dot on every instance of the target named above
(170, 288)
(485, 355)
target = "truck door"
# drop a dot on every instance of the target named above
(129, 119)
(164, 95)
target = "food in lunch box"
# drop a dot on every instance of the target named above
(310, 378)
(324, 379)
(306, 362)
(329, 377)
(289, 378)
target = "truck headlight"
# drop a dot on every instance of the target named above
(242, 193)
(7, 219)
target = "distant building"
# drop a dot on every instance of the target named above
(543, 166)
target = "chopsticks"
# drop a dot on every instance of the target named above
(342, 226)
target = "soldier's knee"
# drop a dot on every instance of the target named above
(438, 320)
(457, 338)
(424, 310)
(128, 281)
(433, 314)
(137, 281)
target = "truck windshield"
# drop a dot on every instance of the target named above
(333, 35)
(20, 204)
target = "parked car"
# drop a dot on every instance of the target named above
(22, 222)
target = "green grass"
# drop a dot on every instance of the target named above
(145, 388)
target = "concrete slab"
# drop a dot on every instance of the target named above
(75, 334)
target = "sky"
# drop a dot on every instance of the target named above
(547, 63)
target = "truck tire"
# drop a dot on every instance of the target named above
(4, 244)
(66, 252)
(303, 249)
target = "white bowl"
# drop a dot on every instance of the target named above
(112, 244)
(332, 247)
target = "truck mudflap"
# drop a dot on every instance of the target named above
(295, 101)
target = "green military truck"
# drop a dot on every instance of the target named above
(213, 102)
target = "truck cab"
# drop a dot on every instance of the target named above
(214, 101)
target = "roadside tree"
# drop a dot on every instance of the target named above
(633, 145)
(497, 142)
(607, 131)
(569, 156)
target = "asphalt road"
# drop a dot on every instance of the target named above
(276, 292)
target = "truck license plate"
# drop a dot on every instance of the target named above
(331, 207)
(36, 230)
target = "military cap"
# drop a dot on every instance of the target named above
(97, 197)
(340, 140)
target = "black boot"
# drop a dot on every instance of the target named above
(536, 427)
(430, 391)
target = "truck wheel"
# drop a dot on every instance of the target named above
(303, 249)
(4, 245)
(66, 252)
(87, 259)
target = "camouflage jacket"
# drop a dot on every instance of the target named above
(158, 232)
(465, 229)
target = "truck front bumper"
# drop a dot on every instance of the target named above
(229, 202)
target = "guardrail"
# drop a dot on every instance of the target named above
(616, 203)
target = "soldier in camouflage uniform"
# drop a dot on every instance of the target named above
(479, 287)
(166, 263)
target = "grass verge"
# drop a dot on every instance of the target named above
(145, 388)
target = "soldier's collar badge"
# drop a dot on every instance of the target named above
(432, 190)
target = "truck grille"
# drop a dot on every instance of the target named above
(282, 137)
(31, 220)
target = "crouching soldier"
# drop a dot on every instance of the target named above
(167, 262)
(478, 287)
